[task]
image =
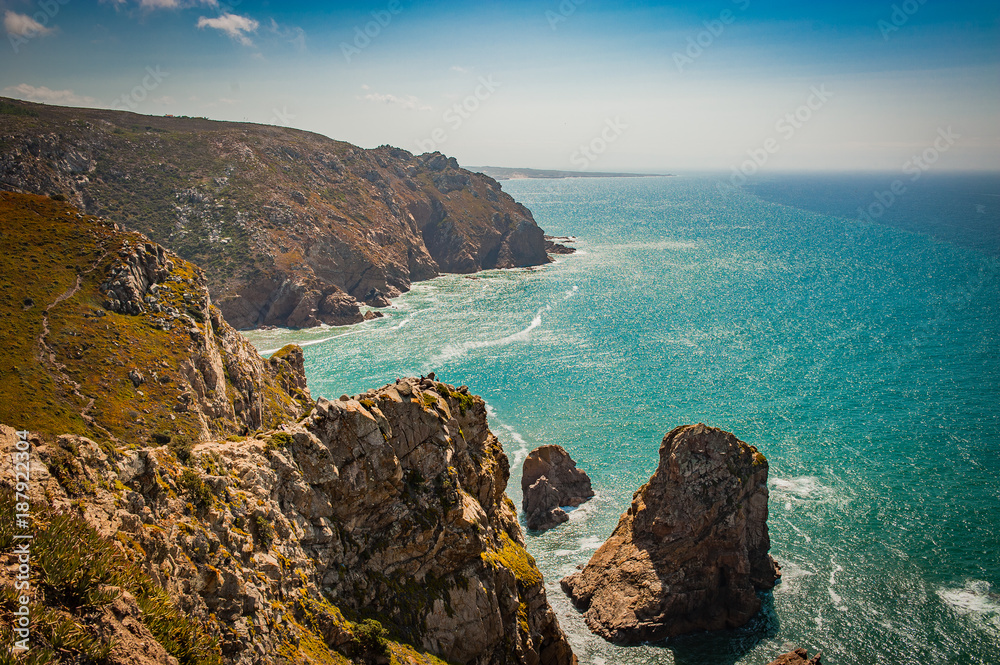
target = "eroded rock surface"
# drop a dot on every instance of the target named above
(389, 504)
(549, 480)
(691, 552)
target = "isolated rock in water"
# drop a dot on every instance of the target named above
(549, 480)
(691, 551)
(797, 657)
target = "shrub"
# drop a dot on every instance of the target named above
(196, 488)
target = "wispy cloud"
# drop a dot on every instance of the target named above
(234, 25)
(153, 5)
(46, 95)
(293, 34)
(22, 25)
(408, 102)
(461, 70)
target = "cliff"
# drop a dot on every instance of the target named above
(108, 336)
(226, 526)
(292, 228)
(691, 552)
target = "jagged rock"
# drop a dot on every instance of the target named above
(690, 552)
(550, 480)
(390, 503)
(136, 377)
(797, 657)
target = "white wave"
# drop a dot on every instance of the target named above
(803, 487)
(796, 529)
(401, 323)
(452, 352)
(791, 574)
(313, 342)
(976, 597)
(572, 292)
(838, 602)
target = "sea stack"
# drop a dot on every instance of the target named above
(550, 480)
(691, 551)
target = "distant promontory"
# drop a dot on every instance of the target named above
(505, 173)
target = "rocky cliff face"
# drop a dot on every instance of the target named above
(691, 551)
(291, 228)
(550, 480)
(388, 506)
(375, 528)
(110, 336)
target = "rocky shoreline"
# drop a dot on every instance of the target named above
(292, 229)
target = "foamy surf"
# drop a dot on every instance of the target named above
(452, 352)
(975, 598)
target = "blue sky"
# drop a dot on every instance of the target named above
(593, 85)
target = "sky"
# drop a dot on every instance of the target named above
(735, 85)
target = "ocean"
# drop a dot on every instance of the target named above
(858, 351)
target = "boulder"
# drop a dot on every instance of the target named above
(550, 480)
(691, 552)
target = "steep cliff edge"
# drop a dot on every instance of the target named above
(107, 335)
(691, 552)
(388, 507)
(291, 228)
(367, 525)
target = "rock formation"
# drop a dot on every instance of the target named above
(372, 528)
(691, 551)
(128, 343)
(550, 480)
(292, 228)
(797, 657)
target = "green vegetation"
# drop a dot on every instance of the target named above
(190, 481)
(6, 108)
(278, 440)
(75, 573)
(371, 638)
(516, 559)
(74, 378)
(265, 532)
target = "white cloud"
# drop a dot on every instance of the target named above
(46, 95)
(234, 25)
(409, 102)
(22, 25)
(461, 70)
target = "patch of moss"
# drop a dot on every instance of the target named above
(515, 558)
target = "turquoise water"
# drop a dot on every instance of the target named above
(860, 358)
